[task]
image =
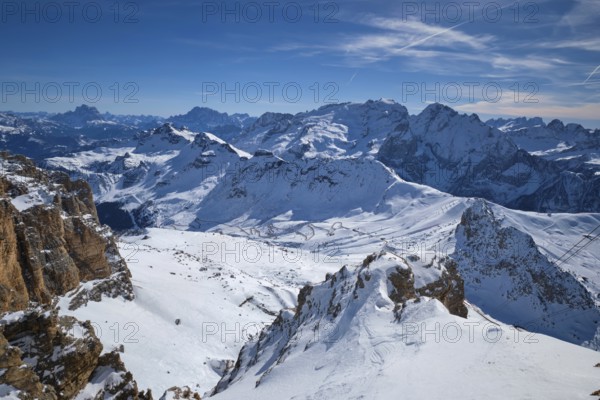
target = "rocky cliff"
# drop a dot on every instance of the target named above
(52, 245)
(47, 357)
(51, 240)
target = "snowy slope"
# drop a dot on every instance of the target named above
(269, 261)
(222, 289)
(367, 350)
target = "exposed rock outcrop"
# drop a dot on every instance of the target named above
(44, 356)
(51, 240)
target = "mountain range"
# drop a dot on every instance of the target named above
(351, 250)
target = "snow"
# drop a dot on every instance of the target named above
(31, 199)
(172, 282)
(12, 317)
(333, 130)
(103, 377)
(9, 392)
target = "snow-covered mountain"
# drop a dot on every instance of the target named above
(508, 277)
(461, 155)
(40, 137)
(336, 130)
(554, 141)
(179, 177)
(43, 135)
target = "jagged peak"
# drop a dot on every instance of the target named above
(168, 128)
(383, 283)
(86, 108)
(556, 125)
(436, 109)
(269, 117)
(81, 115)
(204, 110)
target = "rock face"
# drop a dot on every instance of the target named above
(51, 239)
(51, 242)
(43, 356)
(81, 116)
(334, 309)
(507, 277)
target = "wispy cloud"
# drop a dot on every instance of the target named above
(416, 33)
(584, 12)
(390, 38)
(395, 37)
(586, 43)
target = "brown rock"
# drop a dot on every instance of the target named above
(49, 249)
(20, 376)
(63, 357)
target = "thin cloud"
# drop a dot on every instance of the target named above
(414, 28)
(352, 78)
(584, 12)
(589, 44)
(592, 74)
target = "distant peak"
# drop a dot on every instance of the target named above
(199, 109)
(436, 108)
(86, 108)
(556, 125)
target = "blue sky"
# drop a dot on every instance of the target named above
(495, 58)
